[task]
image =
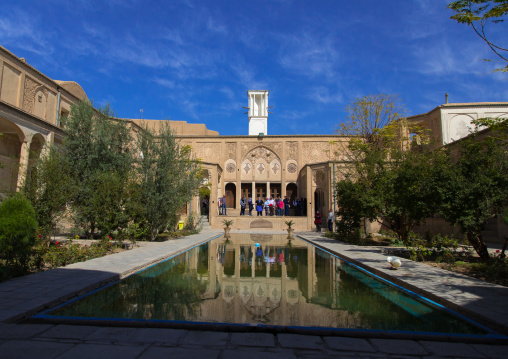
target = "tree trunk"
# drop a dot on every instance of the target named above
(476, 240)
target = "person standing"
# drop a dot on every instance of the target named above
(271, 205)
(224, 208)
(219, 203)
(259, 206)
(267, 206)
(330, 220)
(286, 206)
(280, 206)
(318, 221)
(251, 206)
(242, 206)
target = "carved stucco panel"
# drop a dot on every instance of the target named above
(261, 153)
(30, 90)
(319, 178)
(231, 150)
(247, 170)
(315, 152)
(292, 151)
(208, 151)
(275, 148)
(230, 169)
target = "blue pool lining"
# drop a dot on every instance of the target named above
(491, 333)
(272, 328)
(408, 291)
(45, 315)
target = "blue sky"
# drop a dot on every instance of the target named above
(194, 61)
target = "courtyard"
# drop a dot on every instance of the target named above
(26, 296)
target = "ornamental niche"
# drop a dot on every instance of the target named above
(261, 163)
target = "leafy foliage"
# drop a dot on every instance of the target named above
(48, 188)
(477, 13)
(60, 255)
(477, 187)
(168, 178)
(17, 229)
(388, 178)
(100, 163)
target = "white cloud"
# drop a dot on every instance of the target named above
(247, 77)
(213, 25)
(24, 31)
(165, 82)
(323, 95)
(444, 58)
(309, 54)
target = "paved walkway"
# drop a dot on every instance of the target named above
(479, 300)
(24, 296)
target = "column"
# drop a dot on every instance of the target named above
(253, 192)
(267, 189)
(23, 162)
(310, 199)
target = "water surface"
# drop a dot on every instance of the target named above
(282, 282)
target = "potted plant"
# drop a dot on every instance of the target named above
(228, 223)
(290, 228)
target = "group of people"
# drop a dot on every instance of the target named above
(277, 207)
(273, 207)
(318, 221)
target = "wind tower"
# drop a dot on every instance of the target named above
(258, 112)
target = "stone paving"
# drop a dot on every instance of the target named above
(479, 300)
(24, 296)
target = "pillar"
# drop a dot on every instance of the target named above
(23, 162)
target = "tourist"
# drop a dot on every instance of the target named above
(286, 206)
(267, 206)
(242, 206)
(318, 221)
(298, 207)
(251, 206)
(330, 220)
(219, 204)
(280, 205)
(224, 208)
(259, 206)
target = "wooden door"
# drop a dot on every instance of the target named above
(274, 191)
(230, 195)
(261, 191)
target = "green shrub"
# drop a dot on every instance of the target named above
(58, 255)
(17, 229)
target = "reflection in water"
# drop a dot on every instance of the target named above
(281, 282)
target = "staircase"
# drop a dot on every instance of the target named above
(203, 222)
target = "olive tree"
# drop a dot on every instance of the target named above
(99, 153)
(168, 177)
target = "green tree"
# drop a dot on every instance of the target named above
(48, 188)
(17, 229)
(168, 176)
(477, 13)
(367, 115)
(388, 177)
(100, 162)
(476, 187)
(396, 186)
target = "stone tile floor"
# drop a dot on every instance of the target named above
(22, 297)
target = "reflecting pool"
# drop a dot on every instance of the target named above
(281, 282)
